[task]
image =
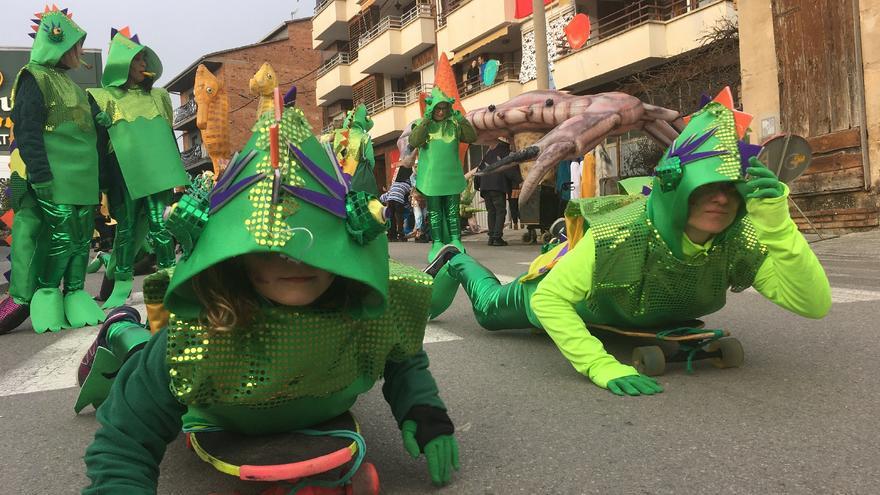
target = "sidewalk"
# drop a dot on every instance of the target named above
(865, 245)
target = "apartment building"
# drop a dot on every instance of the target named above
(382, 52)
(288, 48)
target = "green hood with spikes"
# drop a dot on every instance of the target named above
(122, 52)
(315, 219)
(707, 151)
(358, 118)
(55, 35)
(437, 97)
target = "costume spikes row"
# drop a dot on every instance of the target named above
(725, 97)
(38, 19)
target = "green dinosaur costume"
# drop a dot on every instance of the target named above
(142, 160)
(629, 263)
(290, 367)
(354, 150)
(58, 144)
(441, 179)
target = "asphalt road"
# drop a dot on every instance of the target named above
(799, 417)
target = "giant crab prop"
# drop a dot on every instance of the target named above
(573, 124)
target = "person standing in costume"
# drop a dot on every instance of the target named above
(142, 162)
(354, 150)
(494, 189)
(715, 220)
(58, 144)
(256, 294)
(437, 136)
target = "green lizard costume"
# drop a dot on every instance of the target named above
(58, 144)
(633, 266)
(142, 160)
(354, 150)
(441, 179)
(291, 366)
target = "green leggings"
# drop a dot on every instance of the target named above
(444, 217)
(125, 246)
(496, 306)
(70, 228)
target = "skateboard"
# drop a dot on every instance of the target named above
(323, 460)
(686, 342)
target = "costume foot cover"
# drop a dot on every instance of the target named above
(12, 314)
(436, 246)
(121, 291)
(81, 310)
(47, 312)
(457, 243)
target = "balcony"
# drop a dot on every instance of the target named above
(463, 22)
(475, 95)
(642, 35)
(389, 46)
(334, 79)
(194, 157)
(330, 22)
(392, 113)
(185, 116)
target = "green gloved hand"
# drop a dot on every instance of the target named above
(634, 385)
(43, 190)
(429, 430)
(762, 181)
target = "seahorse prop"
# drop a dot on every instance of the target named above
(212, 117)
(263, 84)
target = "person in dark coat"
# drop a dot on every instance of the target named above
(494, 189)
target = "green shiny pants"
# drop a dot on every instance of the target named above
(496, 306)
(70, 232)
(127, 211)
(28, 249)
(444, 217)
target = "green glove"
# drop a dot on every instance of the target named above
(441, 453)
(634, 385)
(43, 190)
(762, 181)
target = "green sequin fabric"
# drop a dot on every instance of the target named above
(292, 353)
(65, 101)
(131, 104)
(639, 282)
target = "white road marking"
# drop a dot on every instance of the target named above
(841, 295)
(434, 333)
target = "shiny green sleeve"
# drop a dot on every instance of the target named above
(553, 302)
(791, 275)
(138, 419)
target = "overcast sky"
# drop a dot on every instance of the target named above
(179, 31)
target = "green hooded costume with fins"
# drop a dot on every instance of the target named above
(354, 150)
(142, 160)
(628, 263)
(289, 367)
(440, 176)
(58, 145)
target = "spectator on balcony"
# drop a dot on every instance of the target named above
(472, 76)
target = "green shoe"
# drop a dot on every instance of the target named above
(47, 310)
(457, 243)
(97, 262)
(81, 309)
(436, 246)
(121, 291)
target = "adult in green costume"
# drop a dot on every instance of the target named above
(715, 220)
(142, 162)
(354, 150)
(257, 295)
(441, 180)
(58, 144)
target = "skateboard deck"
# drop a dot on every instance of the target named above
(653, 333)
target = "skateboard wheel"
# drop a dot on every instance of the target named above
(732, 355)
(649, 360)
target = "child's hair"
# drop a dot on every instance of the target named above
(226, 295)
(229, 300)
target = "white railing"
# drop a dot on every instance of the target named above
(422, 9)
(320, 5)
(397, 99)
(341, 58)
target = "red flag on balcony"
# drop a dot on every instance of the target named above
(524, 8)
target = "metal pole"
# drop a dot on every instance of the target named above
(539, 20)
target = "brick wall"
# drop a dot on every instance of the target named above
(293, 60)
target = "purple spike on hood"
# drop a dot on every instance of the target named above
(221, 198)
(747, 151)
(704, 100)
(136, 39)
(113, 32)
(326, 180)
(290, 97)
(686, 152)
(32, 35)
(646, 191)
(333, 205)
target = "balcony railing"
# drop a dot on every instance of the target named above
(451, 7)
(321, 5)
(185, 111)
(193, 156)
(633, 15)
(422, 9)
(472, 87)
(397, 98)
(341, 58)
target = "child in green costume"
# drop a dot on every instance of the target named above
(715, 220)
(284, 309)
(58, 144)
(354, 150)
(437, 137)
(141, 163)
